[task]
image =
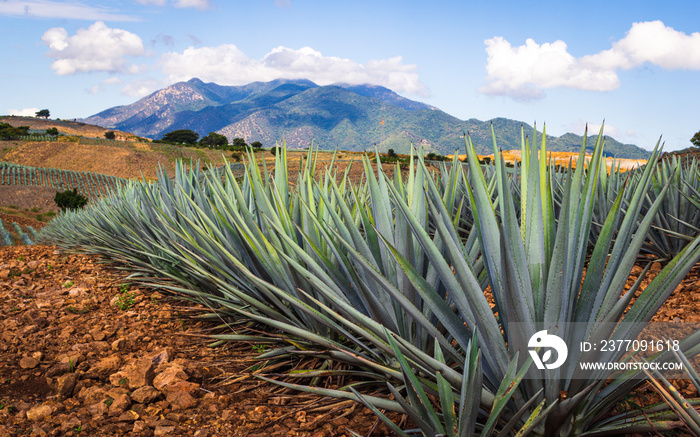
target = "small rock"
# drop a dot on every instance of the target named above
(128, 416)
(119, 344)
(162, 356)
(32, 265)
(65, 385)
(163, 430)
(106, 366)
(37, 431)
(39, 413)
(137, 373)
(58, 369)
(77, 291)
(97, 334)
(119, 405)
(98, 409)
(28, 362)
(145, 394)
(72, 358)
(180, 395)
(91, 395)
(139, 427)
(38, 355)
(71, 424)
(169, 376)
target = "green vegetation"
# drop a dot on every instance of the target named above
(86, 183)
(181, 136)
(110, 135)
(388, 277)
(125, 299)
(214, 140)
(43, 113)
(239, 143)
(8, 132)
(696, 139)
(70, 199)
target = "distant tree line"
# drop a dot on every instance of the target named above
(9, 132)
(212, 140)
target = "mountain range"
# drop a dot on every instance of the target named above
(338, 116)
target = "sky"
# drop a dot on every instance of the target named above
(632, 65)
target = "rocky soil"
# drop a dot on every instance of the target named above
(84, 352)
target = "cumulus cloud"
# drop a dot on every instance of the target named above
(26, 112)
(199, 4)
(141, 87)
(654, 43)
(228, 65)
(57, 9)
(97, 48)
(526, 71)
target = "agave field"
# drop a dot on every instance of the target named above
(426, 286)
(25, 236)
(89, 184)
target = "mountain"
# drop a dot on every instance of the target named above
(342, 116)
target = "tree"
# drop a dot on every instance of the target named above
(239, 142)
(52, 131)
(256, 144)
(696, 139)
(110, 135)
(274, 150)
(8, 132)
(70, 199)
(185, 136)
(214, 140)
(391, 153)
(44, 113)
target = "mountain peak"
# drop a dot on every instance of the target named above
(338, 116)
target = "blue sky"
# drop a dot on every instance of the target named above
(634, 64)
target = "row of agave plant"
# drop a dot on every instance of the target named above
(389, 276)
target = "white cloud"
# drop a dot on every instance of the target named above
(141, 87)
(526, 71)
(654, 43)
(97, 48)
(112, 81)
(26, 112)
(228, 65)
(57, 9)
(199, 4)
(283, 3)
(579, 127)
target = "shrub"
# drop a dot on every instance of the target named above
(110, 135)
(70, 199)
(274, 150)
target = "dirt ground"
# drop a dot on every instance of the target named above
(24, 197)
(83, 352)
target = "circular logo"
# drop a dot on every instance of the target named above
(546, 343)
